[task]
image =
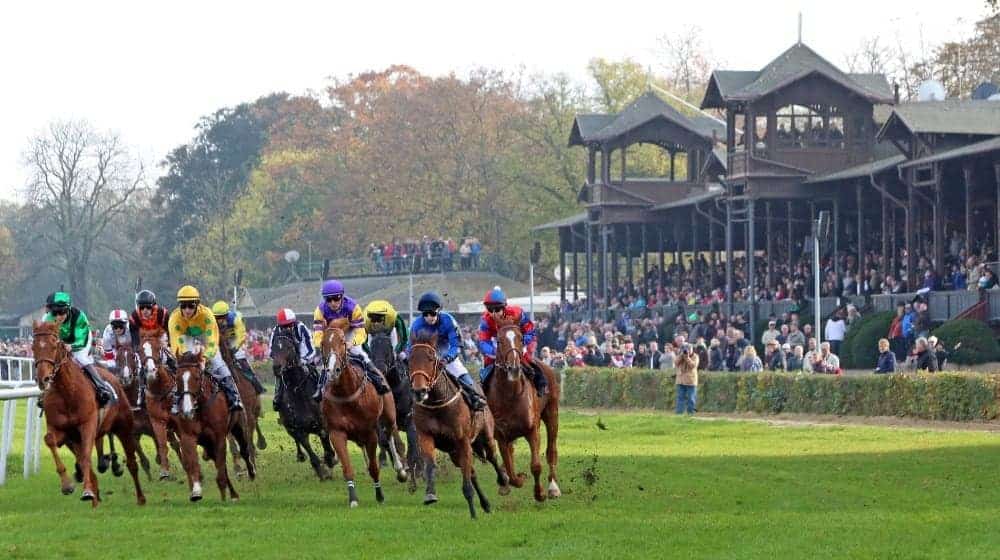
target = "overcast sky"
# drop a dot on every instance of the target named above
(148, 70)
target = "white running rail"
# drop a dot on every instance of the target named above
(17, 382)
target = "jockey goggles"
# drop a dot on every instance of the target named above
(189, 305)
(376, 317)
(58, 309)
(493, 308)
(118, 324)
(430, 313)
(334, 297)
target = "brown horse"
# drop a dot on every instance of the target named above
(519, 412)
(204, 420)
(160, 385)
(251, 407)
(444, 421)
(352, 410)
(71, 414)
(126, 369)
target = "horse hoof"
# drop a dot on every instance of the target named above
(554, 491)
(87, 496)
(164, 475)
(430, 499)
(141, 500)
(539, 495)
(487, 508)
(67, 490)
(401, 476)
(118, 471)
(102, 463)
(196, 492)
(78, 474)
(353, 504)
(503, 490)
(302, 458)
(195, 497)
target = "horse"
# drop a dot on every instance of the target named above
(299, 413)
(384, 357)
(519, 412)
(251, 407)
(205, 420)
(160, 387)
(125, 369)
(72, 417)
(444, 421)
(353, 410)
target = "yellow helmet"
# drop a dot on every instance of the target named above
(220, 308)
(188, 293)
(379, 307)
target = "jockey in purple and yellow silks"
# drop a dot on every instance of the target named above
(336, 305)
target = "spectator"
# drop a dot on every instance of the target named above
(795, 360)
(770, 334)
(886, 358)
(925, 358)
(835, 330)
(654, 355)
(593, 356)
(545, 356)
(922, 323)
(716, 359)
(669, 357)
(795, 336)
(826, 361)
(750, 361)
(853, 316)
(941, 354)
(774, 358)
(687, 380)
(811, 357)
(897, 340)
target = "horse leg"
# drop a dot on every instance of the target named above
(300, 455)
(507, 453)
(234, 449)
(374, 470)
(412, 451)
(102, 459)
(160, 439)
(551, 418)
(339, 441)
(53, 440)
(244, 438)
(483, 502)
(534, 443)
(116, 467)
(221, 472)
(261, 441)
(189, 458)
(490, 451)
(462, 457)
(302, 441)
(130, 445)
(143, 459)
(329, 457)
(88, 437)
(426, 442)
(397, 463)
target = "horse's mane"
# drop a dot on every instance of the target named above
(341, 323)
(189, 359)
(424, 337)
(45, 327)
(506, 321)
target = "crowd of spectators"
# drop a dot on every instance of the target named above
(425, 255)
(18, 347)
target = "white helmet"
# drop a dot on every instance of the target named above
(118, 316)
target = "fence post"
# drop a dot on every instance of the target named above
(9, 409)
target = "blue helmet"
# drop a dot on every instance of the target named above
(430, 301)
(495, 297)
(333, 288)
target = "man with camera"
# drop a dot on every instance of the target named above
(687, 379)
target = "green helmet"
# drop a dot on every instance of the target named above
(58, 300)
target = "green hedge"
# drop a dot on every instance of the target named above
(941, 396)
(860, 347)
(978, 342)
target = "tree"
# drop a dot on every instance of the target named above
(872, 56)
(9, 263)
(688, 62)
(618, 83)
(81, 181)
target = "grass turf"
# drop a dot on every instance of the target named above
(650, 485)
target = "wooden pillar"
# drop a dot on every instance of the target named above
(591, 164)
(673, 155)
(769, 244)
(751, 266)
(576, 266)
(695, 264)
(791, 235)
(663, 250)
(938, 217)
(645, 264)
(967, 177)
(996, 238)
(861, 237)
(628, 255)
(887, 230)
(677, 243)
(562, 263)
(712, 255)
(729, 254)
(613, 233)
(589, 265)
(909, 244)
(836, 236)
(623, 150)
(603, 273)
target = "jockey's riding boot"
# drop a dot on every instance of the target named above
(473, 397)
(105, 392)
(232, 393)
(321, 384)
(278, 390)
(375, 376)
(170, 361)
(250, 375)
(537, 379)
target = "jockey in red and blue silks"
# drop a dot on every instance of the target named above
(496, 307)
(336, 305)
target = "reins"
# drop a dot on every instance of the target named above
(432, 381)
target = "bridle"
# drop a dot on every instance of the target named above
(431, 378)
(340, 367)
(291, 360)
(501, 335)
(56, 366)
(156, 356)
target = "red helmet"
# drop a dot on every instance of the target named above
(286, 317)
(495, 297)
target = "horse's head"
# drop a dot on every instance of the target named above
(190, 371)
(510, 344)
(151, 343)
(335, 348)
(425, 365)
(49, 353)
(284, 350)
(383, 352)
(125, 361)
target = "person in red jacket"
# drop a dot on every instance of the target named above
(496, 307)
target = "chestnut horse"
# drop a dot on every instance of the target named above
(71, 414)
(204, 420)
(353, 410)
(251, 407)
(519, 412)
(299, 413)
(160, 386)
(443, 421)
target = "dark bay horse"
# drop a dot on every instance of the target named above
(299, 413)
(204, 420)
(353, 410)
(251, 408)
(519, 412)
(383, 354)
(160, 386)
(126, 370)
(444, 421)
(71, 414)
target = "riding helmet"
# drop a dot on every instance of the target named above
(58, 300)
(188, 293)
(145, 297)
(333, 288)
(118, 316)
(495, 297)
(286, 317)
(220, 308)
(430, 301)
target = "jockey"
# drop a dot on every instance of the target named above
(233, 331)
(336, 305)
(74, 331)
(433, 321)
(289, 325)
(115, 334)
(191, 322)
(496, 307)
(380, 317)
(148, 315)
